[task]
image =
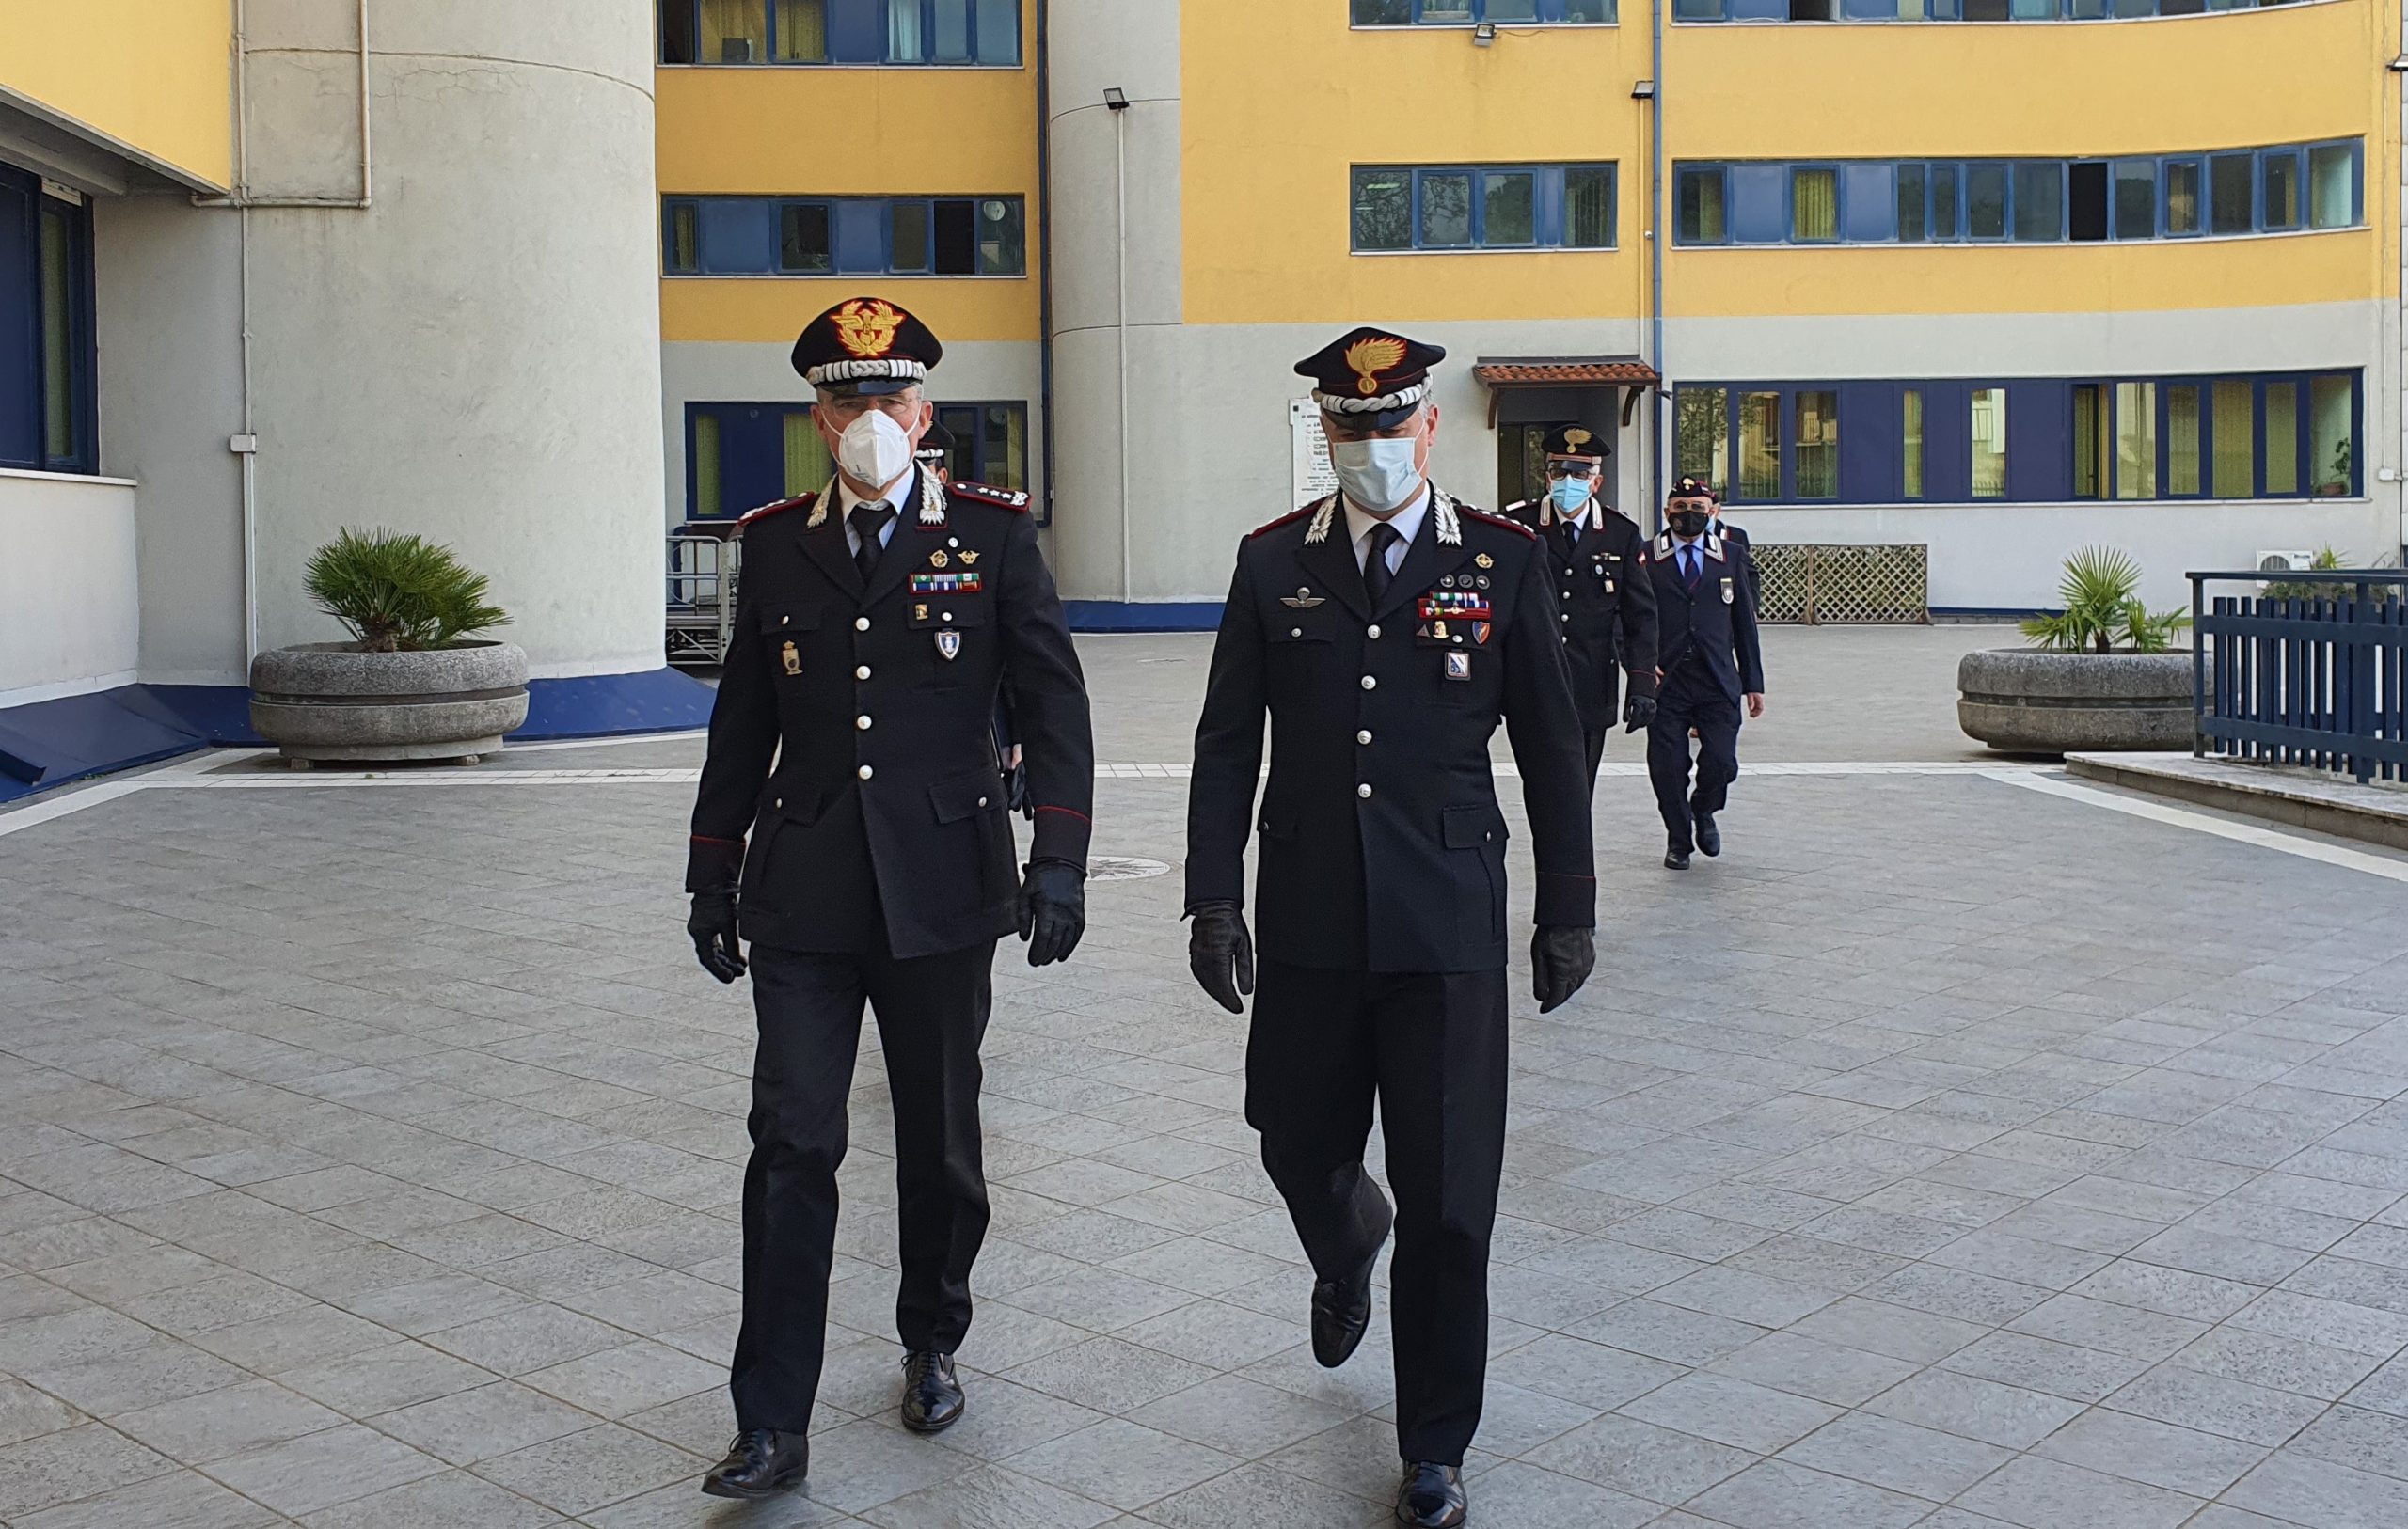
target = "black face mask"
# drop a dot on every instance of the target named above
(1689, 522)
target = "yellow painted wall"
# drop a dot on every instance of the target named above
(1272, 128)
(156, 76)
(826, 130)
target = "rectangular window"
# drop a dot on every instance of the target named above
(732, 32)
(2282, 439)
(2136, 440)
(1945, 224)
(1987, 429)
(2231, 181)
(949, 39)
(1382, 209)
(1910, 439)
(1003, 446)
(1509, 207)
(804, 241)
(2332, 462)
(1987, 11)
(710, 496)
(66, 339)
(1465, 12)
(798, 31)
(1697, 10)
(2182, 197)
(848, 236)
(999, 33)
(1759, 446)
(1911, 205)
(1383, 12)
(1701, 434)
(2040, 201)
(681, 245)
(907, 236)
(2086, 201)
(2135, 196)
(906, 43)
(1818, 445)
(2183, 439)
(1446, 210)
(1003, 237)
(1588, 207)
(2233, 422)
(809, 468)
(958, 32)
(1813, 205)
(1759, 204)
(1985, 202)
(2278, 189)
(2090, 443)
(953, 238)
(2332, 185)
(1868, 203)
(1697, 216)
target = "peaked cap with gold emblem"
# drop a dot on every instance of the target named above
(1576, 441)
(1373, 377)
(1686, 487)
(866, 345)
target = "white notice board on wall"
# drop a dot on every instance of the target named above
(1309, 467)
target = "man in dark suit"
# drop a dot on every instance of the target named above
(1384, 631)
(875, 624)
(1705, 606)
(1608, 611)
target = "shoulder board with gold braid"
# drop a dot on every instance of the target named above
(1289, 519)
(802, 502)
(1501, 522)
(1008, 499)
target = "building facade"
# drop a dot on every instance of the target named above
(2000, 278)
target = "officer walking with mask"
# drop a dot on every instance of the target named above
(1705, 602)
(1384, 631)
(1609, 609)
(852, 746)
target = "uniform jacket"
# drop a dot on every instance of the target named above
(1383, 845)
(1609, 610)
(853, 738)
(1714, 628)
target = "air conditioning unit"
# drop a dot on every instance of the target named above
(2285, 562)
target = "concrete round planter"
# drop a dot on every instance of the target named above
(332, 700)
(2022, 701)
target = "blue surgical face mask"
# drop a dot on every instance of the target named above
(1569, 494)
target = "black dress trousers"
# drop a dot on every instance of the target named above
(931, 1015)
(1690, 697)
(1429, 1047)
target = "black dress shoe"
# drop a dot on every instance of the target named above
(1342, 1309)
(760, 1462)
(932, 1398)
(1676, 856)
(1432, 1496)
(1709, 837)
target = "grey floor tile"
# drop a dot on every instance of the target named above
(324, 1470)
(1778, 1495)
(631, 1378)
(1731, 1411)
(1259, 1496)
(180, 1500)
(2352, 1436)
(1901, 1457)
(1240, 1417)
(497, 1418)
(2217, 1404)
(1121, 1463)
(211, 1426)
(2007, 1415)
(455, 1500)
(1526, 1497)
(1808, 1366)
(55, 1468)
(2144, 1449)
(2303, 1489)
(2047, 1494)
(1641, 1458)
(577, 1472)
(990, 1497)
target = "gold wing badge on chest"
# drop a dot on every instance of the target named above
(1304, 599)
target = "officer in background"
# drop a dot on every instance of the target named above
(1609, 610)
(1383, 631)
(875, 624)
(1705, 602)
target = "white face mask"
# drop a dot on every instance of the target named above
(1378, 475)
(875, 449)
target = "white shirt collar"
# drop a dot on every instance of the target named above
(1408, 522)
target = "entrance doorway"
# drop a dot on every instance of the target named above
(1521, 460)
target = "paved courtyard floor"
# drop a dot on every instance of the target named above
(1965, 1148)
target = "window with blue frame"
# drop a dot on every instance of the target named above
(46, 349)
(938, 32)
(2279, 436)
(834, 236)
(2287, 188)
(1473, 12)
(739, 456)
(1945, 10)
(1445, 208)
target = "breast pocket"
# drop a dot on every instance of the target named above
(787, 631)
(1299, 654)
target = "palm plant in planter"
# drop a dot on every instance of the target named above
(418, 681)
(2103, 673)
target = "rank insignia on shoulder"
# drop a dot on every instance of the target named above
(1304, 599)
(1485, 560)
(949, 645)
(1459, 665)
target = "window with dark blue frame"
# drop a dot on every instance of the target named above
(831, 236)
(739, 456)
(1948, 10)
(46, 350)
(2254, 435)
(1444, 208)
(2287, 188)
(1473, 12)
(961, 33)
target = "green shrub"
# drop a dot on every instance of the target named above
(2104, 610)
(399, 593)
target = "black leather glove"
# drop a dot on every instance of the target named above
(1221, 953)
(1053, 909)
(713, 926)
(1560, 960)
(1637, 712)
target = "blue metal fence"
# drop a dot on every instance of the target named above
(2313, 681)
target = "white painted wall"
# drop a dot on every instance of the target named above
(71, 610)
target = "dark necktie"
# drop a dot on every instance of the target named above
(868, 520)
(1572, 537)
(1693, 567)
(1376, 573)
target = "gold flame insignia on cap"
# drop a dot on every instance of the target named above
(1576, 438)
(867, 328)
(1368, 358)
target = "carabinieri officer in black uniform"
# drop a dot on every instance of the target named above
(853, 741)
(1609, 610)
(1705, 600)
(1384, 630)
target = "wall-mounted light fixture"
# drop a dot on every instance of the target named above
(1643, 91)
(1483, 35)
(1114, 99)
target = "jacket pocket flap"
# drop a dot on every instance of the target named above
(1469, 828)
(773, 620)
(1292, 633)
(960, 796)
(937, 612)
